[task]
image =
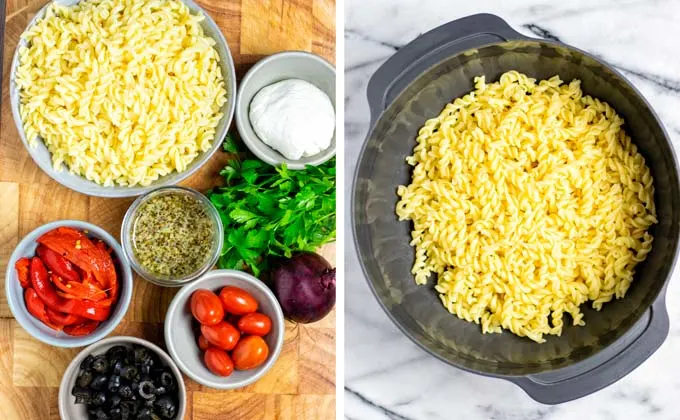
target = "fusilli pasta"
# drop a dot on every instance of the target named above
(121, 91)
(527, 200)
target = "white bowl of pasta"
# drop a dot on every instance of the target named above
(140, 99)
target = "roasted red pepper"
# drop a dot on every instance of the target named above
(58, 264)
(77, 290)
(59, 318)
(102, 245)
(91, 283)
(104, 302)
(81, 251)
(36, 307)
(66, 295)
(81, 329)
(22, 267)
(47, 292)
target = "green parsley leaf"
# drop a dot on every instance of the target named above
(241, 216)
(272, 211)
(230, 145)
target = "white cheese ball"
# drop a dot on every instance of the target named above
(293, 117)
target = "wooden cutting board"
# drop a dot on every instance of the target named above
(301, 385)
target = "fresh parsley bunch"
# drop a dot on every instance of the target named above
(272, 211)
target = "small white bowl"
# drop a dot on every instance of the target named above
(68, 409)
(40, 331)
(275, 68)
(182, 340)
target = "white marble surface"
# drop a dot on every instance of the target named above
(388, 377)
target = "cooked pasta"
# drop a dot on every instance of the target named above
(528, 199)
(120, 91)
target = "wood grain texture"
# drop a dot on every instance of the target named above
(27, 403)
(6, 352)
(293, 407)
(266, 26)
(246, 406)
(301, 383)
(323, 42)
(317, 346)
(37, 364)
(40, 204)
(9, 234)
(242, 406)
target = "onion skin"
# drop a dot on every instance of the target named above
(305, 287)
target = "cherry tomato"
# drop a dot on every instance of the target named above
(250, 352)
(222, 335)
(218, 361)
(206, 307)
(255, 324)
(203, 343)
(237, 301)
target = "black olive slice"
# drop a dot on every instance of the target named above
(98, 399)
(83, 395)
(141, 355)
(125, 391)
(118, 367)
(115, 400)
(100, 364)
(128, 408)
(129, 372)
(84, 378)
(87, 362)
(117, 352)
(167, 380)
(114, 383)
(146, 390)
(166, 407)
(100, 414)
(99, 382)
(115, 413)
(144, 414)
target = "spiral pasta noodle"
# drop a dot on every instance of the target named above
(121, 91)
(528, 199)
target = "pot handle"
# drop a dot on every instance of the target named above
(395, 74)
(594, 374)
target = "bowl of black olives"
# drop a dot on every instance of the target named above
(122, 378)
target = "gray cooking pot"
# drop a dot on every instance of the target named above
(414, 85)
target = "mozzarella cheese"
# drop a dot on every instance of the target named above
(293, 117)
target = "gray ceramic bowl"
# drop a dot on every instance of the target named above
(182, 341)
(68, 409)
(126, 234)
(275, 68)
(15, 294)
(41, 156)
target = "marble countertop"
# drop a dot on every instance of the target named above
(387, 376)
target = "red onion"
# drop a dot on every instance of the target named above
(305, 287)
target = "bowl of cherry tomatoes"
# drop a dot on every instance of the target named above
(224, 330)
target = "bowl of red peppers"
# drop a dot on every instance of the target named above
(67, 283)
